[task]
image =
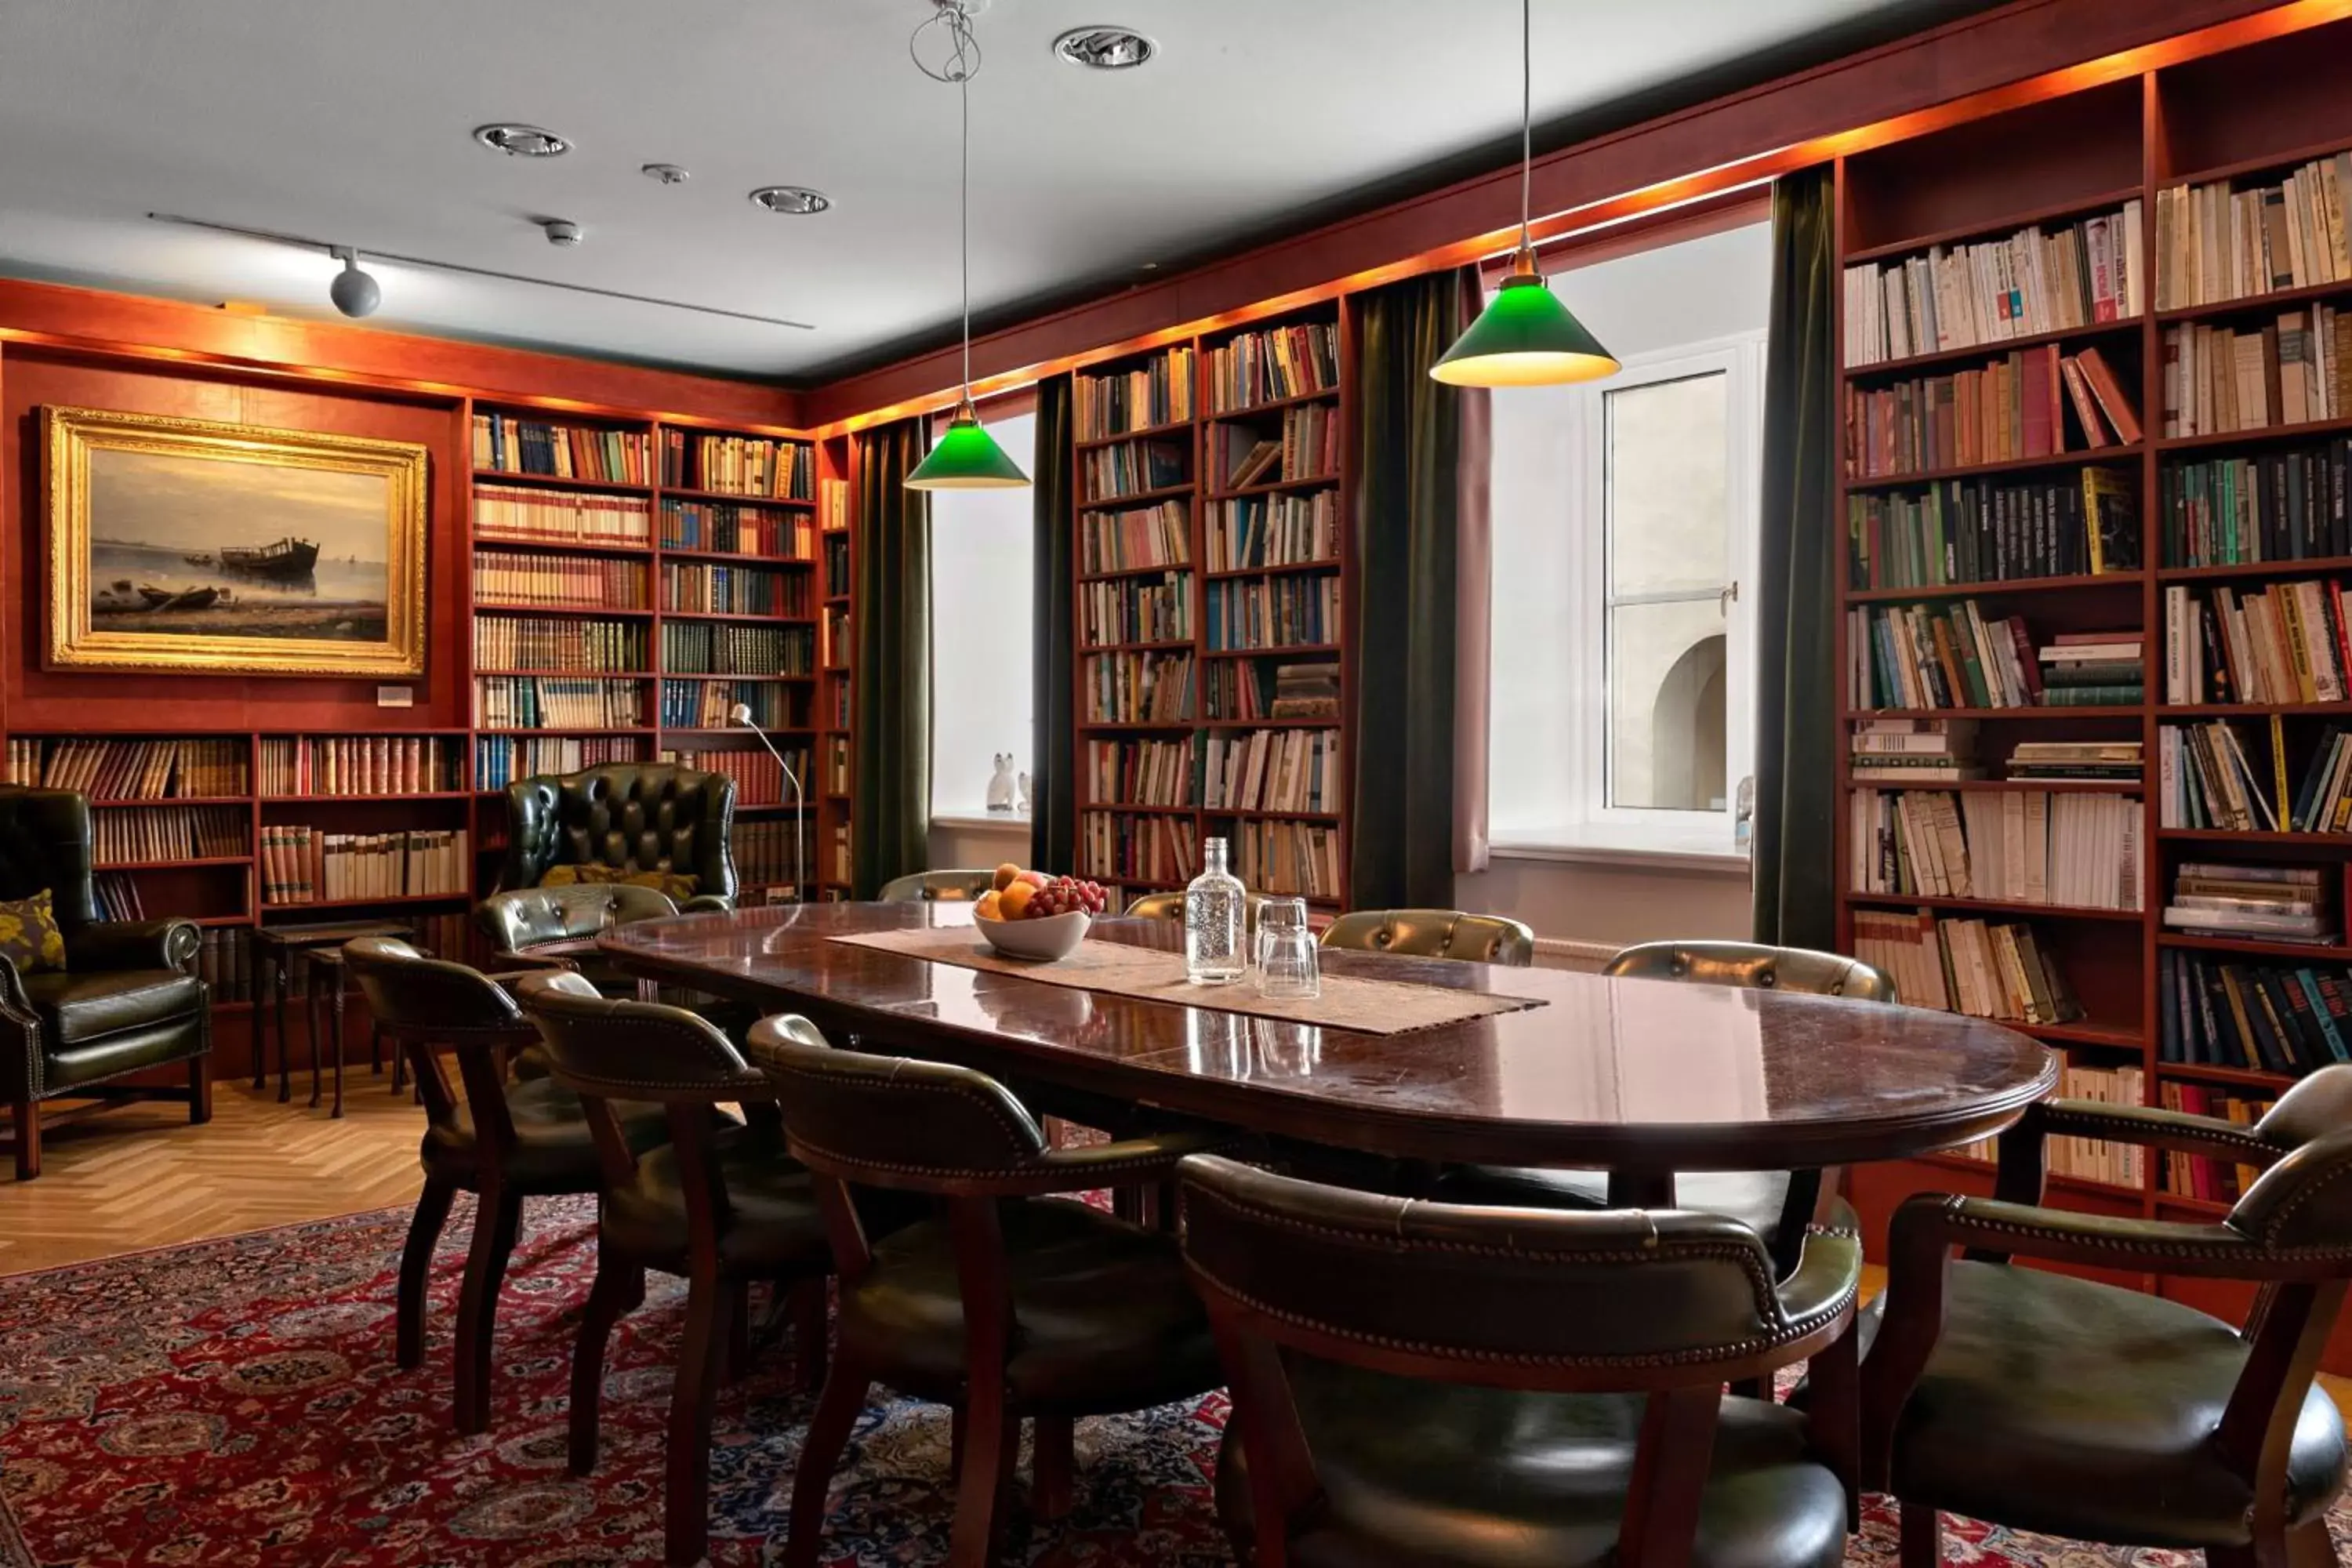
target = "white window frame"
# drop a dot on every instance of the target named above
(973, 813)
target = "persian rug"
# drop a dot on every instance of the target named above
(236, 1401)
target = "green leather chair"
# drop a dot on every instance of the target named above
(2064, 1405)
(1753, 966)
(1434, 933)
(1170, 907)
(1447, 1387)
(936, 886)
(125, 1002)
(629, 818)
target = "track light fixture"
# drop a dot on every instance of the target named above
(354, 292)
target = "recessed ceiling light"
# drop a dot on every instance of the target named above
(1104, 48)
(522, 141)
(667, 174)
(796, 200)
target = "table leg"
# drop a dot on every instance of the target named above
(278, 967)
(1641, 1189)
(311, 1033)
(338, 1005)
(259, 992)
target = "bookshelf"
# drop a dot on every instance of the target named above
(834, 780)
(2222, 523)
(1212, 528)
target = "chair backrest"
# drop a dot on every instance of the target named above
(1434, 933)
(44, 842)
(2303, 1201)
(937, 888)
(630, 816)
(1170, 907)
(1755, 966)
(527, 917)
(422, 1003)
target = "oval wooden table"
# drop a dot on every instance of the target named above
(1639, 1077)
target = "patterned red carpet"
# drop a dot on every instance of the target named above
(235, 1402)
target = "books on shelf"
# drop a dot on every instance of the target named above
(2251, 1015)
(1279, 612)
(1141, 397)
(560, 581)
(740, 465)
(1308, 689)
(116, 894)
(837, 565)
(758, 780)
(500, 760)
(2093, 670)
(1305, 451)
(2079, 850)
(556, 702)
(1981, 530)
(708, 588)
(1139, 688)
(739, 529)
(565, 643)
(509, 445)
(2201, 1175)
(2258, 903)
(708, 704)
(1158, 535)
(1116, 848)
(555, 517)
(358, 765)
(129, 770)
(2287, 643)
(1132, 468)
(1288, 859)
(1272, 770)
(839, 689)
(763, 852)
(1914, 751)
(2080, 762)
(1997, 970)
(832, 506)
(1142, 772)
(2045, 279)
(2289, 371)
(1136, 609)
(1272, 364)
(302, 865)
(1918, 656)
(2011, 410)
(170, 833)
(708, 647)
(837, 647)
(2260, 506)
(2224, 240)
(1283, 529)
(836, 765)
(223, 961)
(2208, 778)
(2097, 1159)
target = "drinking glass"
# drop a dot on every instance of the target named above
(1287, 964)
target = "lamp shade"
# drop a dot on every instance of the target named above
(967, 458)
(1525, 337)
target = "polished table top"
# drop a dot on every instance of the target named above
(1615, 1073)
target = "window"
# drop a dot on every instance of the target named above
(1624, 516)
(983, 631)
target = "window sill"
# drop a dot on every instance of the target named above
(980, 819)
(1644, 848)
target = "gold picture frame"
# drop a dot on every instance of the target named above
(192, 546)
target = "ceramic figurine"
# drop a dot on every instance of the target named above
(1000, 787)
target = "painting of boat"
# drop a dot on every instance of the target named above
(288, 561)
(182, 599)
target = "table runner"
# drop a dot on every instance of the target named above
(1369, 1006)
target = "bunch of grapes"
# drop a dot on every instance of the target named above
(1065, 894)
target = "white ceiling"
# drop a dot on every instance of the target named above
(349, 120)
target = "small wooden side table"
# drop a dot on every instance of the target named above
(320, 944)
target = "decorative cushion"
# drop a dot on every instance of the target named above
(29, 937)
(674, 884)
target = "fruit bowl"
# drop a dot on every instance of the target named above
(1044, 940)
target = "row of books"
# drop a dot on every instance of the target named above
(2286, 372)
(2040, 279)
(1143, 397)
(2264, 903)
(560, 517)
(1142, 772)
(1982, 531)
(224, 960)
(1302, 688)
(1272, 770)
(1272, 365)
(553, 642)
(505, 577)
(837, 859)
(1115, 848)
(836, 765)
(2265, 506)
(1306, 449)
(740, 465)
(835, 626)
(705, 587)
(500, 760)
(2220, 241)
(1279, 612)
(1139, 688)
(764, 850)
(359, 764)
(1985, 968)
(508, 445)
(2098, 1159)
(2288, 643)
(1916, 656)
(1136, 610)
(2287, 1018)
(1274, 531)
(2012, 408)
(302, 865)
(710, 704)
(705, 648)
(129, 770)
(832, 506)
(2201, 1175)
(2078, 851)
(1158, 535)
(170, 833)
(759, 780)
(116, 896)
(556, 702)
(1132, 468)
(840, 698)
(740, 530)
(1944, 750)
(1289, 860)
(837, 565)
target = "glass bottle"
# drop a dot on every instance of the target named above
(1214, 954)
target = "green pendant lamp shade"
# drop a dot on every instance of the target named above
(1525, 337)
(967, 458)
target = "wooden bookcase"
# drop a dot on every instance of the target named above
(2246, 116)
(836, 694)
(1203, 437)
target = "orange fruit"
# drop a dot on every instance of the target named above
(1004, 875)
(1013, 903)
(987, 908)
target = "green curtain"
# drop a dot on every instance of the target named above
(1408, 511)
(1053, 748)
(890, 609)
(1796, 606)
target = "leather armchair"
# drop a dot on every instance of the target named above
(1753, 966)
(125, 1002)
(628, 817)
(936, 886)
(1434, 933)
(1170, 907)
(2059, 1404)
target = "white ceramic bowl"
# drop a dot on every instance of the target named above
(1056, 936)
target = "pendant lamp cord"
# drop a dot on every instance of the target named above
(1527, 116)
(962, 63)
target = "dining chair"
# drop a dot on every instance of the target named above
(1170, 907)
(2064, 1405)
(722, 1205)
(503, 1141)
(936, 886)
(1006, 1302)
(1434, 933)
(1449, 1387)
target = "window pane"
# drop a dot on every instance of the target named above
(981, 630)
(1666, 705)
(1667, 458)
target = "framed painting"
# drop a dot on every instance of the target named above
(193, 546)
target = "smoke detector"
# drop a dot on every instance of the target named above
(1104, 48)
(522, 141)
(561, 232)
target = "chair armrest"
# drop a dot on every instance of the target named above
(133, 944)
(1130, 1162)
(1827, 1280)
(2154, 1128)
(707, 903)
(21, 1069)
(514, 962)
